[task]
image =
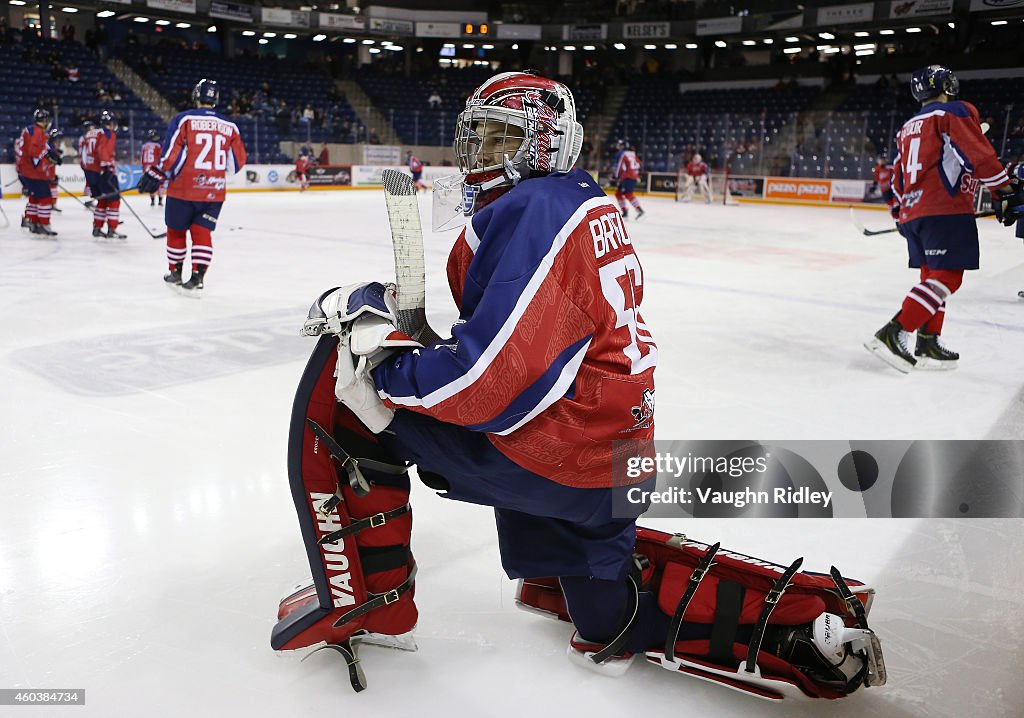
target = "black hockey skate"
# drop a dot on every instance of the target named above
(98, 233)
(44, 230)
(114, 234)
(639, 214)
(173, 277)
(890, 345)
(28, 224)
(931, 355)
(194, 286)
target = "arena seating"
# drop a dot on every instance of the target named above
(30, 71)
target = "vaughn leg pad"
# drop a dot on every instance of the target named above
(351, 498)
(772, 631)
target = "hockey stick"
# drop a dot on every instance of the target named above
(68, 192)
(136, 214)
(407, 244)
(872, 232)
(7, 222)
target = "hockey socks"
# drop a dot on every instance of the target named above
(202, 247)
(925, 303)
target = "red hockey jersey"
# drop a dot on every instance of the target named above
(550, 356)
(698, 169)
(106, 149)
(303, 163)
(627, 166)
(943, 155)
(149, 155)
(883, 177)
(87, 151)
(30, 153)
(200, 151)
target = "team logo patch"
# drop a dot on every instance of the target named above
(643, 415)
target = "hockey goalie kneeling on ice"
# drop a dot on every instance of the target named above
(548, 370)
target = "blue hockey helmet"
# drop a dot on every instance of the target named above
(41, 116)
(206, 93)
(107, 118)
(932, 81)
(56, 133)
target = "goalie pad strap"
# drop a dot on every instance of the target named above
(847, 595)
(727, 621)
(371, 522)
(695, 578)
(377, 559)
(616, 644)
(770, 601)
(379, 599)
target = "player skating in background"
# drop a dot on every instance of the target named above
(416, 168)
(626, 173)
(698, 175)
(57, 158)
(942, 155)
(882, 174)
(101, 176)
(201, 149)
(549, 373)
(34, 159)
(302, 165)
(149, 155)
(86, 147)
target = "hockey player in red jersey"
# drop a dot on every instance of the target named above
(104, 186)
(35, 157)
(545, 385)
(626, 173)
(698, 175)
(201, 149)
(149, 155)
(416, 169)
(882, 174)
(943, 156)
(302, 164)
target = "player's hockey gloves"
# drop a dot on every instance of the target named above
(54, 156)
(894, 210)
(151, 180)
(1008, 203)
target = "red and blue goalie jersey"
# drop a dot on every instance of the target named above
(200, 151)
(30, 153)
(943, 155)
(303, 163)
(627, 166)
(150, 154)
(698, 169)
(414, 164)
(550, 355)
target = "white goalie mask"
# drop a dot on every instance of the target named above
(515, 125)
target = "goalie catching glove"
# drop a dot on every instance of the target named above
(363, 317)
(151, 180)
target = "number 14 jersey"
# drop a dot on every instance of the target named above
(201, 149)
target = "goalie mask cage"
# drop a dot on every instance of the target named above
(720, 193)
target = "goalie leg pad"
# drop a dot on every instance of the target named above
(351, 498)
(768, 630)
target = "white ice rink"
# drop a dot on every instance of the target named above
(147, 530)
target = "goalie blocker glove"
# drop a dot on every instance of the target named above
(151, 180)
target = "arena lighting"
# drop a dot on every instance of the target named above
(792, 38)
(374, 50)
(650, 47)
(671, 46)
(515, 45)
(870, 46)
(691, 46)
(720, 43)
(619, 46)
(487, 47)
(449, 44)
(321, 37)
(394, 48)
(183, 25)
(290, 36)
(951, 25)
(469, 46)
(862, 33)
(822, 48)
(886, 32)
(768, 41)
(264, 41)
(270, 34)
(368, 42)
(791, 50)
(349, 40)
(141, 19)
(163, 22)
(913, 29)
(995, 22)
(22, 2)
(69, 10)
(248, 33)
(831, 50)
(861, 53)
(569, 48)
(212, 28)
(749, 43)
(588, 48)
(104, 13)
(826, 36)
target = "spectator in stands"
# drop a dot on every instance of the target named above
(1017, 132)
(374, 139)
(434, 100)
(73, 74)
(67, 32)
(324, 158)
(308, 114)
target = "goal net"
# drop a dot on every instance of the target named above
(720, 194)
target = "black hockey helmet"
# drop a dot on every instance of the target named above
(206, 93)
(153, 135)
(40, 116)
(932, 81)
(107, 118)
(56, 133)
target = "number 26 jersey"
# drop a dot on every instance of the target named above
(199, 152)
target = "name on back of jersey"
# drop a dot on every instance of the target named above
(608, 233)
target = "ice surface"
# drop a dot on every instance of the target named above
(147, 532)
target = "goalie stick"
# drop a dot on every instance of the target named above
(872, 232)
(407, 245)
